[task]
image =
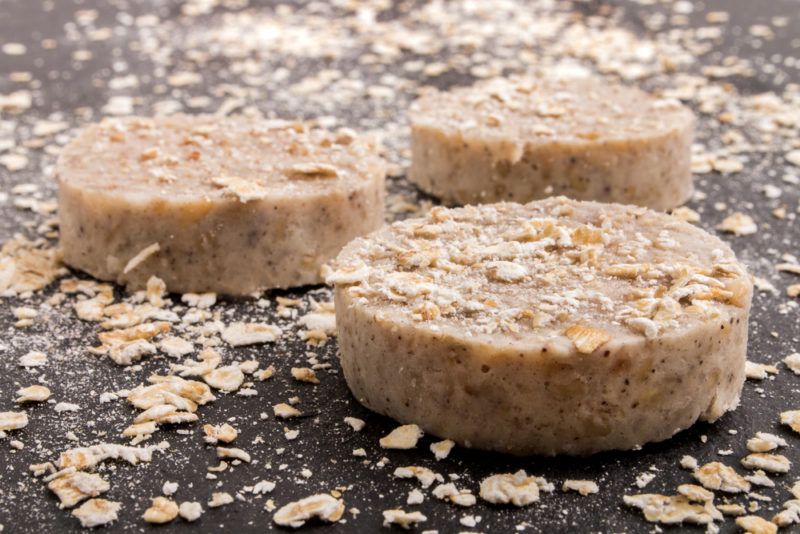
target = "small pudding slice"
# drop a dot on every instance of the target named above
(554, 327)
(524, 139)
(228, 205)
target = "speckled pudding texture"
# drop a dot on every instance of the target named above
(555, 327)
(528, 138)
(235, 205)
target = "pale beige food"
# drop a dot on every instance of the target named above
(529, 138)
(227, 205)
(553, 327)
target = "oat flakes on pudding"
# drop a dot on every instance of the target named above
(209, 204)
(553, 327)
(523, 139)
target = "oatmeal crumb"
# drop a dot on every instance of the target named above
(402, 437)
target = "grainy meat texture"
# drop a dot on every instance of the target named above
(228, 205)
(553, 327)
(527, 138)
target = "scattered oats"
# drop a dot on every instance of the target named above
(118, 105)
(178, 392)
(175, 347)
(671, 510)
(47, 128)
(402, 519)
(285, 411)
(760, 478)
(793, 157)
(686, 214)
(355, 423)
(759, 371)
(96, 512)
(312, 170)
(201, 300)
(774, 463)
(228, 378)
(139, 431)
(586, 338)
(291, 434)
(792, 361)
(695, 493)
(360, 452)
(305, 374)
(183, 78)
(402, 437)
(506, 271)
(765, 442)
(425, 476)
(141, 257)
(243, 189)
(24, 316)
(72, 488)
(66, 407)
(756, 525)
(88, 457)
(415, 496)
(717, 476)
(32, 394)
(518, 489)
(222, 466)
(727, 166)
(644, 479)
(351, 274)
(322, 506)
(731, 509)
(249, 367)
(265, 374)
(239, 334)
(263, 486)
(219, 498)
(162, 510)
(14, 162)
(770, 191)
(793, 268)
(169, 488)
(790, 515)
(165, 413)
(40, 469)
(441, 449)
(14, 49)
(237, 454)
(738, 224)
(190, 511)
(319, 321)
(584, 487)
(33, 358)
(793, 290)
(224, 433)
(15, 102)
(647, 327)
(26, 266)
(791, 418)
(689, 462)
(449, 492)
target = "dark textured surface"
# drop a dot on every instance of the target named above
(325, 443)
